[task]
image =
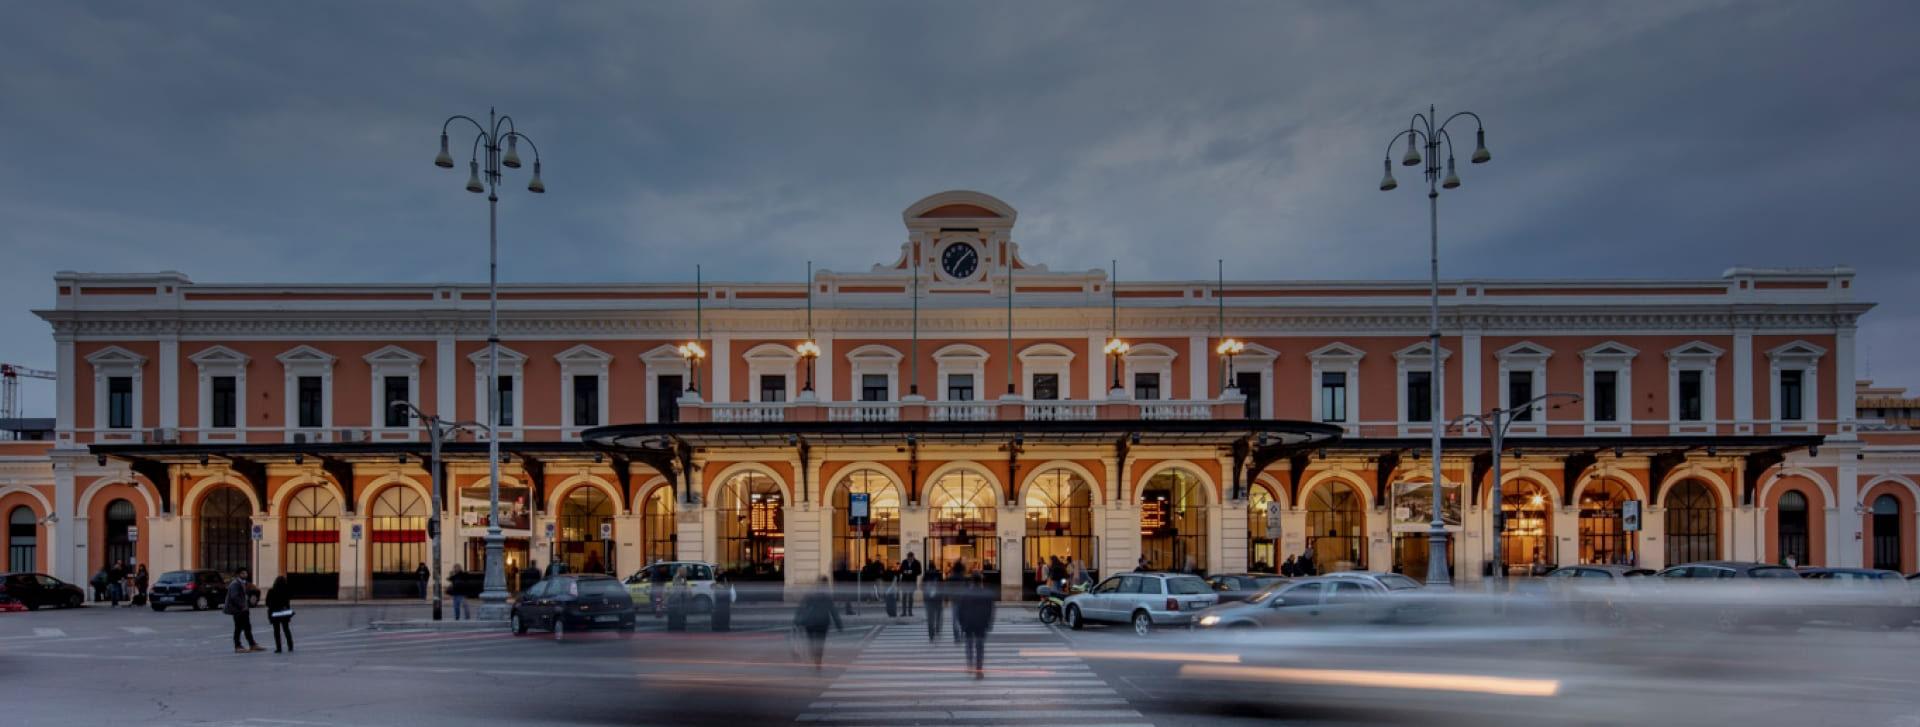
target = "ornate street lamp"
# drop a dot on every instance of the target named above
(1496, 422)
(1115, 349)
(693, 353)
(497, 133)
(1230, 347)
(809, 351)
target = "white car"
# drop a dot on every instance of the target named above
(699, 581)
(1144, 600)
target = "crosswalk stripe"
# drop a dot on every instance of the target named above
(978, 692)
(961, 678)
(49, 632)
(968, 702)
(1024, 714)
(137, 629)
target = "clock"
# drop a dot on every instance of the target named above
(960, 260)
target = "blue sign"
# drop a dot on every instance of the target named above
(356, 531)
(857, 507)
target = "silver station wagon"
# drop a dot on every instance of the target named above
(1145, 600)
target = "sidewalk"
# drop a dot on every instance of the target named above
(746, 617)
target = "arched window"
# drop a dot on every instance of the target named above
(878, 536)
(1263, 540)
(578, 539)
(1173, 522)
(23, 540)
(119, 532)
(312, 543)
(1886, 533)
(1336, 528)
(1792, 528)
(962, 510)
(1603, 535)
(1693, 524)
(1059, 523)
(660, 530)
(1528, 539)
(225, 530)
(399, 542)
(753, 527)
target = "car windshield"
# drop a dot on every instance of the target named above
(1395, 582)
(178, 576)
(1187, 586)
(1773, 573)
(600, 587)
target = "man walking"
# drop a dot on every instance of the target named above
(236, 606)
(117, 583)
(931, 591)
(975, 615)
(910, 573)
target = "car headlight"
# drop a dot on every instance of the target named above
(1209, 620)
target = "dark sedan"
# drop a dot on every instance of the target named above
(34, 590)
(573, 603)
(196, 589)
(1865, 597)
(1238, 586)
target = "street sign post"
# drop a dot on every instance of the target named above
(606, 531)
(356, 532)
(1630, 516)
(258, 532)
(1273, 520)
(133, 533)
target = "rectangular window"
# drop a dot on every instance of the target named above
(1419, 396)
(1249, 384)
(1333, 396)
(1520, 391)
(873, 387)
(506, 401)
(1146, 387)
(666, 396)
(773, 388)
(1791, 393)
(1606, 396)
(586, 400)
(1046, 387)
(1692, 406)
(309, 400)
(120, 402)
(396, 391)
(959, 387)
(225, 407)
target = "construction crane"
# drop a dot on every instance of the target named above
(10, 390)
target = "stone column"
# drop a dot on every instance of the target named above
(66, 556)
(266, 552)
(626, 544)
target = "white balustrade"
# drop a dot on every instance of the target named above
(863, 411)
(1062, 412)
(960, 411)
(749, 412)
(1176, 410)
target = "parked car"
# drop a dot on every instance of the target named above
(1723, 593)
(1145, 600)
(1238, 586)
(700, 576)
(573, 603)
(1598, 594)
(197, 589)
(34, 590)
(1864, 597)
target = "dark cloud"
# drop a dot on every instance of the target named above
(291, 142)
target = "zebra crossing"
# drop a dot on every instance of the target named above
(899, 677)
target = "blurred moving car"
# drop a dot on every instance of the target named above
(34, 590)
(1238, 586)
(199, 589)
(700, 579)
(1346, 598)
(1145, 600)
(1731, 592)
(1865, 597)
(1596, 594)
(573, 603)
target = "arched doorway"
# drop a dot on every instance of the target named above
(877, 537)
(1886, 533)
(311, 542)
(1791, 528)
(962, 522)
(1059, 524)
(23, 540)
(578, 540)
(398, 543)
(1693, 524)
(1526, 546)
(1603, 535)
(119, 532)
(1263, 538)
(753, 528)
(1173, 522)
(1336, 528)
(659, 530)
(224, 530)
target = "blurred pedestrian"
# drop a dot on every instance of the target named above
(910, 573)
(236, 606)
(116, 583)
(280, 612)
(530, 577)
(1307, 565)
(657, 588)
(140, 581)
(1080, 576)
(423, 576)
(974, 613)
(99, 583)
(456, 587)
(677, 600)
(1056, 572)
(723, 595)
(1140, 566)
(1288, 568)
(870, 574)
(813, 617)
(957, 585)
(931, 589)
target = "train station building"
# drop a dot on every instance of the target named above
(975, 403)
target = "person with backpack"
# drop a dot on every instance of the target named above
(813, 617)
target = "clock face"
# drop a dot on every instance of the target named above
(960, 260)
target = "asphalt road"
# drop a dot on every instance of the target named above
(136, 667)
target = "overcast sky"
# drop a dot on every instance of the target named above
(244, 142)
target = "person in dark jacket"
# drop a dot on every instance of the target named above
(529, 577)
(931, 592)
(957, 584)
(722, 617)
(280, 612)
(424, 576)
(909, 580)
(657, 588)
(1057, 572)
(140, 581)
(814, 616)
(974, 612)
(236, 606)
(117, 583)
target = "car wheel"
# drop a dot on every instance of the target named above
(517, 626)
(199, 603)
(559, 629)
(1073, 618)
(159, 607)
(1142, 623)
(702, 604)
(72, 601)
(31, 605)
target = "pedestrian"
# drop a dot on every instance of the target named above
(116, 583)
(909, 571)
(813, 617)
(593, 563)
(677, 601)
(957, 583)
(530, 577)
(1307, 565)
(99, 583)
(722, 617)
(424, 576)
(1140, 566)
(930, 590)
(236, 606)
(974, 613)
(1080, 576)
(657, 588)
(280, 612)
(1057, 572)
(870, 573)
(1286, 568)
(456, 587)
(140, 582)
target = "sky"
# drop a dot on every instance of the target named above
(292, 142)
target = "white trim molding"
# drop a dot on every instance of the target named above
(108, 363)
(582, 360)
(960, 358)
(217, 361)
(1046, 358)
(772, 359)
(1795, 356)
(663, 360)
(1417, 357)
(873, 359)
(1693, 356)
(1147, 358)
(297, 363)
(512, 366)
(391, 361)
(1340, 358)
(1618, 358)
(1531, 358)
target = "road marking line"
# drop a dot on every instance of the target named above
(1506, 686)
(48, 633)
(959, 678)
(979, 692)
(137, 629)
(1026, 714)
(968, 702)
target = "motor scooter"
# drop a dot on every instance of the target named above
(1053, 602)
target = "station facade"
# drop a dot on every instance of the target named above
(971, 402)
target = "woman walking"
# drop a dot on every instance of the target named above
(280, 612)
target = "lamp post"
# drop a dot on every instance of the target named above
(1230, 347)
(1496, 422)
(693, 352)
(498, 129)
(809, 349)
(437, 429)
(1116, 349)
(1425, 130)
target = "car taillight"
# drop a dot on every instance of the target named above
(189, 586)
(1173, 604)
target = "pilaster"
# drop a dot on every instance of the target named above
(169, 383)
(1743, 381)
